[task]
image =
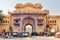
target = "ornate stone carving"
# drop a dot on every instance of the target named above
(28, 8)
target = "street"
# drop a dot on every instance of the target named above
(33, 38)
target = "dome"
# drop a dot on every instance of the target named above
(29, 4)
(19, 5)
(38, 5)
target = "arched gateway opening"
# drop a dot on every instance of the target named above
(28, 24)
(28, 28)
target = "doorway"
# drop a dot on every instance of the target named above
(28, 28)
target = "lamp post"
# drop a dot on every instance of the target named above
(57, 28)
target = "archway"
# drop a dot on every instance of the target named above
(28, 21)
(28, 28)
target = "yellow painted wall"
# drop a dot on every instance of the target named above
(5, 25)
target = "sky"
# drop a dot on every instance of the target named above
(52, 5)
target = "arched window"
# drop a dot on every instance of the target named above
(6, 21)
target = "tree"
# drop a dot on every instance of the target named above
(1, 16)
(1, 19)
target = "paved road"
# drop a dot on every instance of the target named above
(33, 38)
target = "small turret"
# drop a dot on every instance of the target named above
(38, 6)
(18, 6)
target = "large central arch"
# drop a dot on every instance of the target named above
(28, 21)
(28, 28)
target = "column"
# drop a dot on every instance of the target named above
(36, 24)
(45, 23)
(21, 25)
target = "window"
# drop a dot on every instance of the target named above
(55, 21)
(48, 21)
(6, 21)
(52, 21)
(40, 24)
(16, 20)
(40, 21)
(16, 24)
(3, 21)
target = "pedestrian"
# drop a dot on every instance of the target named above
(3, 33)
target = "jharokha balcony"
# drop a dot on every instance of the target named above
(16, 22)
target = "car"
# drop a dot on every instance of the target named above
(34, 34)
(0, 33)
(23, 34)
(57, 35)
(41, 33)
(7, 35)
(15, 34)
(47, 34)
(52, 34)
